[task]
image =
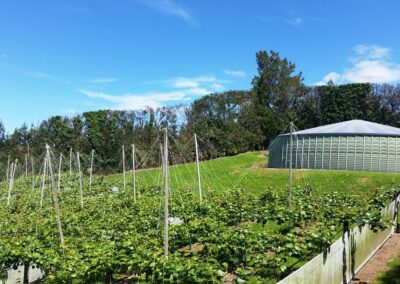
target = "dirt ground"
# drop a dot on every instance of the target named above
(378, 262)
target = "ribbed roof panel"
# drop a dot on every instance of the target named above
(356, 126)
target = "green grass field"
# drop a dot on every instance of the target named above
(249, 171)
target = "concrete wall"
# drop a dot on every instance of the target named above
(15, 276)
(345, 257)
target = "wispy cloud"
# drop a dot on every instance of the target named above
(46, 76)
(178, 90)
(104, 80)
(3, 55)
(217, 87)
(235, 73)
(185, 82)
(371, 51)
(171, 8)
(264, 19)
(70, 111)
(137, 101)
(295, 21)
(38, 75)
(369, 63)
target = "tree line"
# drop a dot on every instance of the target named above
(228, 123)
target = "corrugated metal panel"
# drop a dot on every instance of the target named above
(352, 127)
(337, 152)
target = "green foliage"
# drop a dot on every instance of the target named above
(110, 238)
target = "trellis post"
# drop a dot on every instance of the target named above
(134, 173)
(123, 166)
(198, 168)
(91, 169)
(166, 193)
(290, 168)
(80, 177)
(55, 195)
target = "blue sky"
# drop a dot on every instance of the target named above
(66, 57)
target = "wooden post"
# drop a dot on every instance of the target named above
(33, 173)
(15, 168)
(91, 169)
(59, 174)
(347, 149)
(43, 181)
(10, 186)
(395, 159)
(70, 162)
(308, 152)
(330, 154)
(166, 193)
(123, 166)
(162, 155)
(26, 165)
(302, 152)
(55, 194)
(134, 173)
(198, 167)
(338, 154)
(290, 168)
(297, 150)
(8, 167)
(78, 159)
(323, 153)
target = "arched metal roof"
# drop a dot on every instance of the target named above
(354, 127)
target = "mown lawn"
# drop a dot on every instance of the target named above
(249, 171)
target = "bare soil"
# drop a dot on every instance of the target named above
(378, 262)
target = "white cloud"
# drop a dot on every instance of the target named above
(198, 91)
(178, 90)
(171, 8)
(217, 87)
(38, 75)
(235, 73)
(333, 76)
(46, 76)
(104, 80)
(137, 101)
(295, 21)
(373, 71)
(370, 63)
(184, 82)
(70, 111)
(372, 51)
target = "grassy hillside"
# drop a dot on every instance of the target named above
(249, 171)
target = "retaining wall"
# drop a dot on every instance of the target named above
(345, 257)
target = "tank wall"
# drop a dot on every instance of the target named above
(356, 153)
